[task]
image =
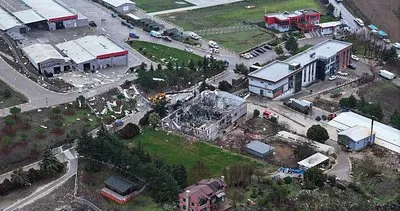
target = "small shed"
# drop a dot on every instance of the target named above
(258, 149)
(315, 160)
(120, 185)
(356, 138)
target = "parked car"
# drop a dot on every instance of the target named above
(359, 22)
(254, 53)
(133, 35)
(342, 73)
(118, 123)
(155, 34)
(130, 26)
(267, 47)
(226, 63)
(259, 50)
(386, 41)
(92, 24)
(212, 44)
(124, 23)
(396, 45)
(246, 55)
(194, 36)
(352, 66)
(166, 38)
(188, 50)
(114, 15)
(354, 57)
(332, 78)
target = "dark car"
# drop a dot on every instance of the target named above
(133, 35)
(92, 24)
(352, 66)
(253, 53)
(130, 26)
(166, 38)
(226, 63)
(267, 47)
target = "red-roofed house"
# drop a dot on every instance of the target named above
(305, 20)
(206, 195)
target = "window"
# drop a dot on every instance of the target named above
(184, 199)
(309, 74)
(192, 204)
(304, 77)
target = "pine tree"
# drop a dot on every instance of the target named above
(49, 164)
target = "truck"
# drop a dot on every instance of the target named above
(155, 34)
(299, 105)
(386, 74)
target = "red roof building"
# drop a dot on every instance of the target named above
(305, 20)
(206, 195)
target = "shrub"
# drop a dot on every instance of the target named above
(129, 131)
(288, 180)
(256, 113)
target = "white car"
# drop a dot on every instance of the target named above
(246, 55)
(194, 36)
(396, 45)
(212, 44)
(342, 73)
(188, 50)
(386, 41)
(332, 78)
(354, 57)
(359, 22)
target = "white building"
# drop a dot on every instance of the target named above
(329, 28)
(315, 160)
(121, 6)
(94, 52)
(46, 59)
(9, 23)
(289, 76)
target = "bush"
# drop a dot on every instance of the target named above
(256, 113)
(317, 133)
(129, 131)
(288, 180)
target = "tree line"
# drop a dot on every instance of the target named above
(367, 108)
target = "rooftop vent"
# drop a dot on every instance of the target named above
(294, 66)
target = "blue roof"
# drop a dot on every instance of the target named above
(373, 27)
(259, 147)
(382, 33)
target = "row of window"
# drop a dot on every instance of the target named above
(310, 73)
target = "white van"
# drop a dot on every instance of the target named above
(212, 44)
(386, 74)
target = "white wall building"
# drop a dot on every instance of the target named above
(121, 6)
(94, 52)
(329, 28)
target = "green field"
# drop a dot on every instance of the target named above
(156, 52)
(160, 5)
(240, 41)
(235, 13)
(176, 150)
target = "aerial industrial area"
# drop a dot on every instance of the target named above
(199, 105)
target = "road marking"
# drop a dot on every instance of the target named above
(103, 29)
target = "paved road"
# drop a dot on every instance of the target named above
(72, 170)
(346, 15)
(342, 167)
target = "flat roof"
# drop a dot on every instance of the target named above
(51, 10)
(119, 183)
(13, 5)
(42, 52)
(259, 147)
(91, 47)
(28, 16)
(329, 24)
(7, 21)
(286, 15)
(357, 133)
(117, 3)
(324, 49)
(274, 71)
(313, 160)
(385, 135)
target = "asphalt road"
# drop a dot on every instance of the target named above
(346, 15)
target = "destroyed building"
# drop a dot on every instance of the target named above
(207, 114)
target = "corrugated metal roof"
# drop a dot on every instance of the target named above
(386, 136)
(41, 52)
(49, 9)
(28, 16)
(357, 133)
(119, 183)
(259, 147)
(313, 160)
(7, 21)
(117, 3)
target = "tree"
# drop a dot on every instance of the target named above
(9, 122)
(279, 50)
(236, 195)
(241, 69)
(278, 194)
(49, 164)
(154, 119)
(180, 175)
(303, 151)
(288, 180)
(6, 141)
(20, 178)
(59, 123)
(350, 102)
(256, 113)
(39, 131)
(7, 93)
(330, 9)
(224, 86)
(317, 133)
(14, 111)
(56, 111)
(395, 119)
(198, 172)
(314, 177)
(238, 175)
(129, 131)
(291, 44)
(23, 137)
(390, 55)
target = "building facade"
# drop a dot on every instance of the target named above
(302, 19)
(205, 195)
(289, 76)
(356, 138)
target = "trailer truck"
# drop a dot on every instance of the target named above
(299, 105)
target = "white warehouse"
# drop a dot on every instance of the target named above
(93, 52)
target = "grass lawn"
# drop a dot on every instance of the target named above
(157, 52)
(235, 13)
(14, 99)
(326, 18)
(160, 5)
(176, 150)
(240, 41)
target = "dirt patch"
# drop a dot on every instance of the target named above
(283, 155)
(326, 105)
(384, 14)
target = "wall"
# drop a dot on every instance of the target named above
(255, 85)
(308, 73)
(70, 23)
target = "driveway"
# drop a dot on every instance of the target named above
(342, 167)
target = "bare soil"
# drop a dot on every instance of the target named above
(283, 154)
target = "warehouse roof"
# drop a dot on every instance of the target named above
(274, 71)
(356, 133)
(42, 52)
(259, 147)
(313, 160)
(91, 47)
(28, 16)
(50, 10)
(386, 136)
(117, 3)
(119, 183)
(7, 21)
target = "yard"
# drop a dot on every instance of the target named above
(235, 13)
(241, 41)
(160, 53)
(23, 140)
(161, 5)
(9, 97)
(175, 149)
